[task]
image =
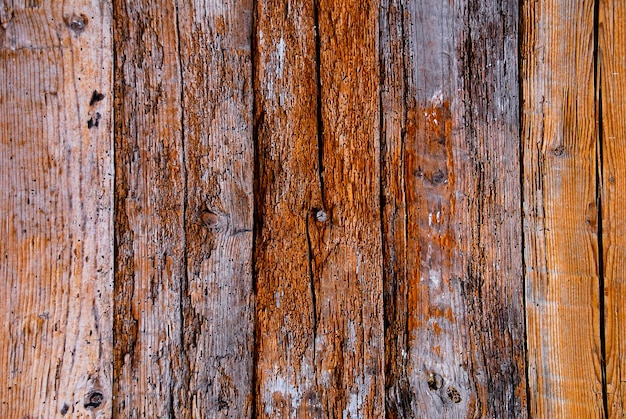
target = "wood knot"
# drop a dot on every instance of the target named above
(435, 381)
(439, 178)
(213, 220)
(558, 150)
(454, 395)
(94, 400)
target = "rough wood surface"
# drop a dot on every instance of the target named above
(56, 207)
(184, 314)
(560, 211)
(346, 248)
(318, 259)
(451, 214)
(612, 79)
(288, 192)
(265, 208)
(151, 372)
(218, 311)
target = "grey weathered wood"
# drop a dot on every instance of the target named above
(451, 214)
(218, 311)
(183, 325)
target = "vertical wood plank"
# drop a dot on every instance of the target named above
(215, 49)
(318, 252)
(150, 366)
(451, 191)
(560, 211)
(56, 208)
(346, 241)
(393, 72)
(288, 191)
(612, 76)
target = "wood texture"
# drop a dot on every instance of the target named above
(318, 259)
(612, 83)
(151, 372)
(288, 196)
(267, 208)
(183, 313)
(218, 311)
(451, 214)
(560, 210)
(56, 207)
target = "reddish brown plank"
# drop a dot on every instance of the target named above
(318, 259)
(287, 191)
(346, 242)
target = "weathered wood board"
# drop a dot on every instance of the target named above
(560, 141)
(323, 208)
(451, 209)
(56, 194)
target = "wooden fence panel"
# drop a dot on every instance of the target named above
(346, 247)
(217, 299)
(266, 208)
(612, 79)
(56, 206)
(184, 155)
(318, 257)
(560, 211)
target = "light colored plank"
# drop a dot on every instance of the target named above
(451, 192)
(612, 76)
(56, 209)
(150, 367)
(215, 48)
(560, 212)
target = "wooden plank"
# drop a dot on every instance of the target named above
(451, 215)
(215, 49)
(346, 247)
(612, 77)
(288, 190)
(318, 260)
(56, 207)
(150, 368)
(560, 211)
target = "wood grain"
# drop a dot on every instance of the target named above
(612, 84)
(560, 210)
(56, 207)
(318, 257)
(288, 196)
(451, 215)
(346, 248)
(151, 371)
(218, 311)
(184, 325)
